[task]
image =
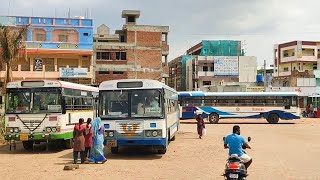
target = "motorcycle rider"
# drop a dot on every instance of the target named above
(235, 142)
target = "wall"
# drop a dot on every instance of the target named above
(247, 68)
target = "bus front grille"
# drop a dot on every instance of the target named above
(31, 125)
(129, 128)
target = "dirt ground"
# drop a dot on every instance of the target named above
(288, 150)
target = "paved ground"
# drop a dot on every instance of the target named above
(288, 150)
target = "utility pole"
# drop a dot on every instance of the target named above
(264, 76)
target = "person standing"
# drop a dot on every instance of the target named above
(88, 138)
(79, 140)
(97, 154)
(200, 123)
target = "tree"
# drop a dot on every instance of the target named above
(12, 47)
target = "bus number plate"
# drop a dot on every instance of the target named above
(111, 143)
(24, 137)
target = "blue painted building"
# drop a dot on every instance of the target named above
(57, 48)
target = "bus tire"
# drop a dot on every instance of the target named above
(173, 138)
(214, 118)
(162, 150)
(115, 150)
(27, 145)
(68, 143)
(273, 118)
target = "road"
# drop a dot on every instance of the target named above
(288, 150)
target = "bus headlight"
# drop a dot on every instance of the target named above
(110, 134)
(154, 133)
(54, 129)
(16, 130)
(48, 129)
(148, 133)
(11, 130)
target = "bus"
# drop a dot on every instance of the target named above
(47, 110)
(138, 113)
(218, 105)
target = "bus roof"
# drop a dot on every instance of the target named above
(49, 83)
(200, 93)
(146, 84)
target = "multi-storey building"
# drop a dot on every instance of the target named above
(56, 48)
(136, 51)
(213, 63)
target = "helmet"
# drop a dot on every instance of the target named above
(198, 112)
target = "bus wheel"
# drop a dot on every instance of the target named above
(173, 138)
(213, 118)
(273, 118)
(69, 143)
(27, 145)
(162, 150)
(114, 150)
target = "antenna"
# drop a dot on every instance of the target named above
(9, 7)
(69, 13)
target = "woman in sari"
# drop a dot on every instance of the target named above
(97, 154)
(200, 123)
(78, 136)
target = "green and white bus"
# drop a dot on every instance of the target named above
(47, 110)
(138, 113)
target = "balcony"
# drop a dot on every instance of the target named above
(205, 74)
(47, 73)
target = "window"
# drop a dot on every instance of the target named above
(212, 68)
(40, 37)
(206, 83)
(103, 55)
(205, 68)
(118, 72)
(286, 69)
(131, 19)
(63, 38)
(121, 56)
(164, 37)
(103, 41)
(85, 34)
(122, 38)
(104, 72)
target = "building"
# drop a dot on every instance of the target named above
(175, 71)
(136, 51)
(56, 48)
(215, 71)
(209, 64)
(295, 65)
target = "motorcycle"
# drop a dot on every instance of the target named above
(235, 168)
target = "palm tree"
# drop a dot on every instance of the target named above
(11, 47)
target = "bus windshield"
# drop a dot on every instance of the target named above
(41, 100)
(131, 104)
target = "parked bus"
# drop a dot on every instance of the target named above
(47, 110)
(218, 105)
(138, 113)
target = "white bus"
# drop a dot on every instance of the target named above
(246, 105)
(138, 113)
(47, 110)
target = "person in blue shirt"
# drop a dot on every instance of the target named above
(235, 142)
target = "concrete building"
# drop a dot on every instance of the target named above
(210, 64)
(175, 71)
(136, 51)
(214, 71)
(295, 64)
(56, 48)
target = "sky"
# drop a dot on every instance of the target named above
(259, 24)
